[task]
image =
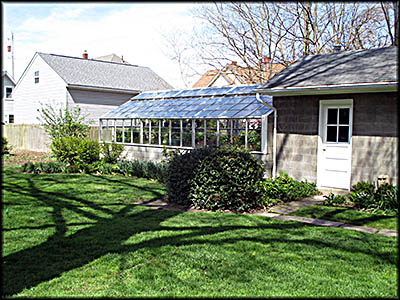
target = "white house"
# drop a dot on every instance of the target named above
(7, 101)
(97, 86)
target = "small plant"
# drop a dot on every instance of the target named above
(111, 152)
(285, 188)
(367, 196)
(143, 169)
(44, 167)
(336, 200)
(5, 146)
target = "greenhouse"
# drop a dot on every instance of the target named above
(189, 118)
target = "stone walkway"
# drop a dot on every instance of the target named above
(280, 212)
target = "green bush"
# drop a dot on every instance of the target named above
(107, 168)
(227, 179)
(111, 152)
(181, 170)
(44, 167)
(284, 188)
(5, 147)
(336, 200)
(74, 151)
(144, 169)
(365, 195)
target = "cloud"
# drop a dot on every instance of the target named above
(134, 31)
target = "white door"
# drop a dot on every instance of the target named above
(334, 144)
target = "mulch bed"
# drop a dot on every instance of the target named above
(17, 157)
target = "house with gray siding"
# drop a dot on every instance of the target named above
(96, 86)
(7, 100)
(337, 117)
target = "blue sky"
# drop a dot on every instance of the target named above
(131, 29)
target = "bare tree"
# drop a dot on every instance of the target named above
(249, 32)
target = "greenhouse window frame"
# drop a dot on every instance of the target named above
(156, 129)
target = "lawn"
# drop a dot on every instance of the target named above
(349, 215)
(83, 235)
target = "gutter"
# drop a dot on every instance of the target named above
(332, 89)
(102, 89)
(274, 135)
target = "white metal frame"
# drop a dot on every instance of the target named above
(133, 124)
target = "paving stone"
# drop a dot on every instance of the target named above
(309, 221)
(387, 232)
(359, 228)
(267, 214)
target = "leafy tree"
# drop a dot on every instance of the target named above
(63, 121)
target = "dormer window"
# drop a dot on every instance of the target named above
(37, 77)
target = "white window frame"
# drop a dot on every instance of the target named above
(36, 76)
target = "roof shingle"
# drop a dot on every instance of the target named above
(103, 74)
(350, 67)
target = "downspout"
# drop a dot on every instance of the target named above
(274, 134)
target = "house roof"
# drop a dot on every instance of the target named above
(233, 72)
(111, 57)
(233, 102)
(5, 73)
(81, 72)
(362, 68)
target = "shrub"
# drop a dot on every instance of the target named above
(111, 152)
(336, 200)
(143, 169)
(106, 168)
(181, 170)
(44, 167)
(365, 195)
(62, 122)
(80, 152)
(227, 178)
(284, 188)
(5, 147)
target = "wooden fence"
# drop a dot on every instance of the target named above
(33, 137)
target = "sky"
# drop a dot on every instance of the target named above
(133, 30)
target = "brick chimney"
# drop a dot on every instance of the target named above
(234, 63)
(266, 60)
(85, 55)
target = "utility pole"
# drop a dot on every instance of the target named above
(12, 54)
(10, 48)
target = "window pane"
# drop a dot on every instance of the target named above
(332, 115)
(344, 134)
(344, 116)
(8, 92)
(331, 132)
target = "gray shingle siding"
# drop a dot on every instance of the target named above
(96, 73)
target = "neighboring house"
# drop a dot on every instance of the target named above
(96, 86)
(233, 74)
(337, 117)
(7, 101)
(112, 57)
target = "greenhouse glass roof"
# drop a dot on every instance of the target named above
(236, 102)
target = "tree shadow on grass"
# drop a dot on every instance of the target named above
(60, 253)
(353, 218)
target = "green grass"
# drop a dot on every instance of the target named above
(82, 235)
(349, 215)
